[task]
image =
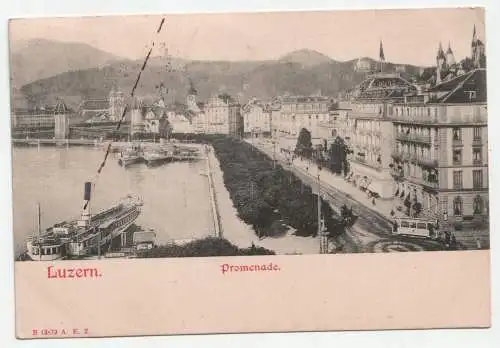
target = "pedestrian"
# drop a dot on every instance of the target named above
(453, 241)
(373, 201)
(392, 213)
(478, 243)
(447, 239)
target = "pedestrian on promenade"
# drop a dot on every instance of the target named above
(447, 239)
(478, 243)
(453, 241)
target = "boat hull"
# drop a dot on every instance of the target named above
(83, 241)
(128, 161)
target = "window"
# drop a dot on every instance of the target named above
(471, 94)
(476, 155)
(457, 179)
(457, 156)
(457, 206)
(478, 205)
(457, 134)
(477, 133)
(477, 179)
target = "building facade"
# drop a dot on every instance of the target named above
(147, 118)
(61, 121)
(440, 158)
(103, 109)
(37, 118)
(222, 116)
(368, 130)
(256, 118)
(299, 112)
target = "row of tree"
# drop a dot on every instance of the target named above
(203, 248)
(333, 158)
(264, 195)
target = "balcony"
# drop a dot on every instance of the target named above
(457, 143)
(421, 181)
(426, 161)
(477, 142)
(477, 162)
(415, 138)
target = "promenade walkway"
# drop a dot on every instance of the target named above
(382, 207)
(466, 238)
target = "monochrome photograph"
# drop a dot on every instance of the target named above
(206, 135)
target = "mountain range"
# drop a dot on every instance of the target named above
(43, 70)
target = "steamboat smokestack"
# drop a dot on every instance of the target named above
(85, 219)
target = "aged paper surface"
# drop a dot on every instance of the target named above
(218, 173)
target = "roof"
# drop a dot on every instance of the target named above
(382, 86)
(144, 237)
(37, 111)
(61, 108)
(95, 104)
(302, 99)
(460, 87)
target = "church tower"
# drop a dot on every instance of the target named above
(116, 104)
(112, 103)
(440, 63)
(450, 57)
(191, 98)
(61, 115)
(381, 57)
(136, 120)
(477, 50)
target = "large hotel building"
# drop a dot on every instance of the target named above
(440, 155)
(422, 146)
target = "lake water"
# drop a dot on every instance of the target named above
(176, 196)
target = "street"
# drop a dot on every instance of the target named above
(372, 231)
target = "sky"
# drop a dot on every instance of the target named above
(408, 36)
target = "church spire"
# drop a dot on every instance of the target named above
(450, 57)
(381, 56)
(449, 49)
(381, 53)
(440, 52)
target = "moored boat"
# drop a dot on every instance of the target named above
(154, 156)
(84, 236)
(131, 154)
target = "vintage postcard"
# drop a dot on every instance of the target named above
(250, 172)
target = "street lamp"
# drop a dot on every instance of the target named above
(320, 227)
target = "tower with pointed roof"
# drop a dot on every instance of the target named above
(450, 57)
(381, 57)
(61, 120)
(440, 63)
(477, 50)
(191, 98)
(116, 104)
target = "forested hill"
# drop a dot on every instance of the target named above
(303, 72)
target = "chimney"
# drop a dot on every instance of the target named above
(85, 218)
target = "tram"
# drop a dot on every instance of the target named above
(415, 227)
